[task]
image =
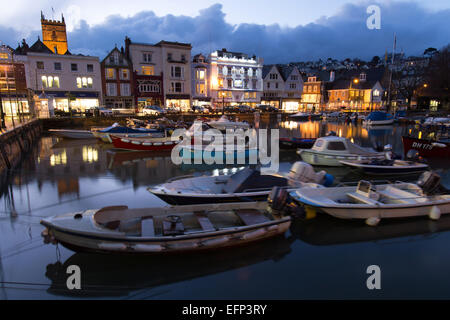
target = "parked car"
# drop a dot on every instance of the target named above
(245, 109)
(98, 111)
(229, 109)
(199, 109)
(153, 110)
(266, 108)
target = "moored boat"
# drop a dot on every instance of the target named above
(224, 123)
(244, 185)
(427, 147)
(331, 150)
(143, 144)
(120, 131)
(378, 118)
(376, 202)
(386, 167)
(72, 133)
(295, 143)
(166, 229)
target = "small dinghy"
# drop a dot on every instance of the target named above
(295, 143)
(143, 144)
(386, 167)
(224, 123)
(331, 150)
(376, 202)
(166, 229)
(72, 133)
(245, 185)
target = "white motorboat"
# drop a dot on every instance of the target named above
(72, 133)
(334, 116)
(376, 202)
(224, 123)
(241, 185)
(166, 229)
(331, 150)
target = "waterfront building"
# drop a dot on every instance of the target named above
(236, 78)
(60, 82)
(117, 80)
(201, 75)
(283, 86)
(356, 91)
(162, 73)
(313, 95)
(14, 96)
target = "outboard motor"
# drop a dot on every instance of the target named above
(304, 172)
(430, 182)
(280, 201)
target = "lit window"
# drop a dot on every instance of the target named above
(3, 55)
(110, 73)
(89, 82)
(56, 82)
(148, 70)
(78, 82)
(200, 74)
(125, 74)
(44, 82)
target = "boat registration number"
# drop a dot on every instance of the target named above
(420, 145)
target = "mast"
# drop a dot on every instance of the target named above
(390, 74)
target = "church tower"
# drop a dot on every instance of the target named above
(54, 34)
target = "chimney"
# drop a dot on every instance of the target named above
(332, 76)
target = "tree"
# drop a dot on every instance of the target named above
(429, 52)
(407, 80)
(375, 60)
(437, 77)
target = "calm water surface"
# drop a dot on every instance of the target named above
(320, 258)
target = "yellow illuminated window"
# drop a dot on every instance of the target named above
(3, 55)
(220, 83)
(78, 82)
(44, 82)
(201, 88)
(110, 73)
(148, 70)
(200, 74)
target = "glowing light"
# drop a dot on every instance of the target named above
(355, 81)
(58, 159)
(214, 82)
(90, 154)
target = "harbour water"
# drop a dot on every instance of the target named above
(321, 258)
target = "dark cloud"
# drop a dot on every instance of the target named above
(340, 36)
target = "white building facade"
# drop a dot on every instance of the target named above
(64, 82)
(236, 78)
(201, 78)
(283, 87)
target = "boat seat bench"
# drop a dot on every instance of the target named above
(147, 227)
(362, 199)
(251, 217)
(204, 221)
(401, 196)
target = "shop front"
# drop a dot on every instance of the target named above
(13, 105)
(70, 101)
(274, 102)
(180, 102)
(291, 105)
(201, 101)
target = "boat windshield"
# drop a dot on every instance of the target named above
(251, 179)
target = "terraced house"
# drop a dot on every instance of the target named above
(117, 80)
(283, 87)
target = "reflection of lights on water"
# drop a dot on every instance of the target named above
(352, 140)
(58, 159)
(90, 154)
(340, 133)
(420, 134)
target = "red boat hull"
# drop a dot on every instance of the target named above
(142, 145)
(427, 148)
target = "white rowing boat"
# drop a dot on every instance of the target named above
(166, 229)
